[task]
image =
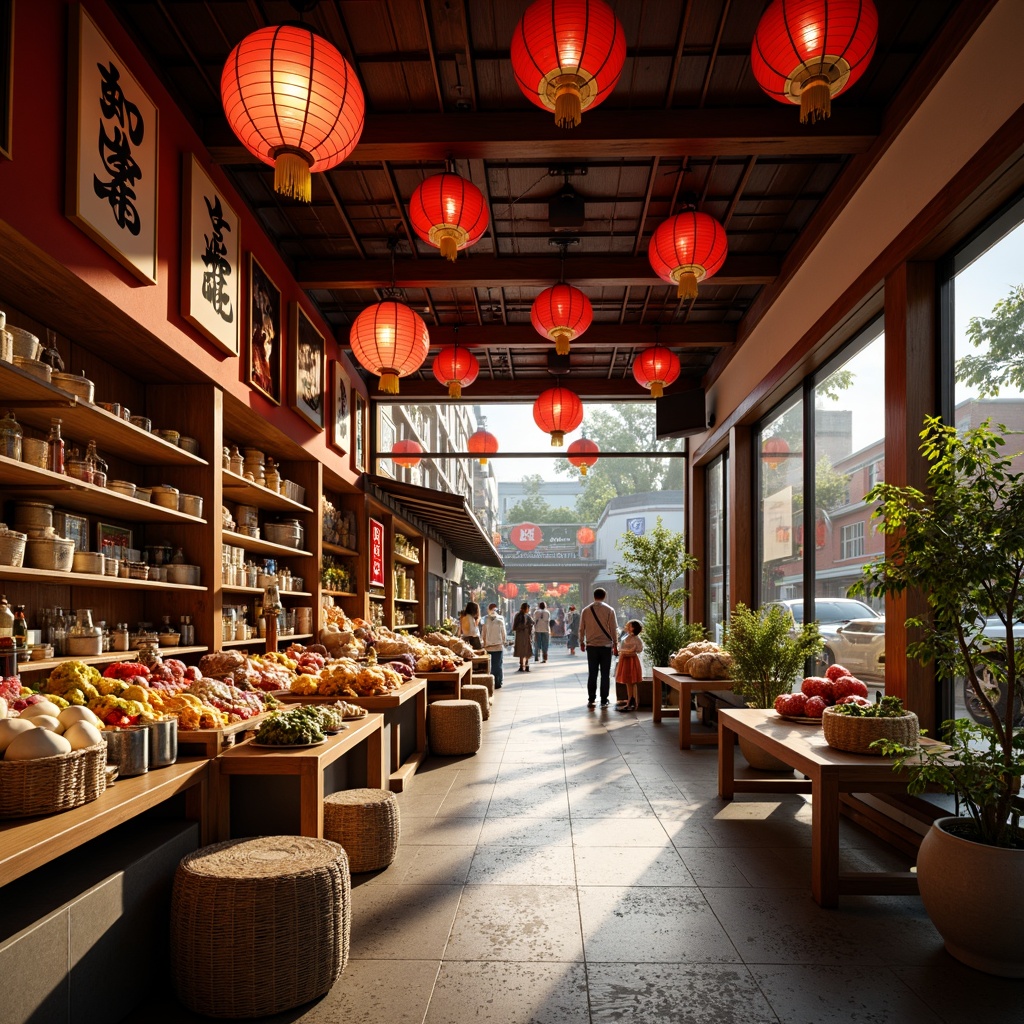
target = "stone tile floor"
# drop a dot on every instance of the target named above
(580, 869)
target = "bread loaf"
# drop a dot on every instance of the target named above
(681, 661)
(710, 665)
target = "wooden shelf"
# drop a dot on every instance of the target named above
(405, 559)
(263, 640)
(406, 625)
(376, 597)
(337, 549)
(406, 600)
(262, 547)
(339, 593)
(37, 402)
(237, 488)
(88, 579)
(67, 492)
(107, 658)
(259, 590)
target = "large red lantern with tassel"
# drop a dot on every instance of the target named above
(511, 590)
(807, 51)
(774, 452)
(448, 212)
(533, 588)
(583, 453)
(558, 411)
(585, 535)
(294, 102)
(482, 443)
(406, 453)
(686, 249)
(456, 368)
(655, 368)
(561, 313)
(391, 340)
(567, 56)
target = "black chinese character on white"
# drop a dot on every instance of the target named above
(115, 149)
(218, 268)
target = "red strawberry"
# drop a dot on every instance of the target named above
(790, 703)
(779, 701)
(855, 698)
(815, 707)
(834, 672)
(817, 686)
(849, 686)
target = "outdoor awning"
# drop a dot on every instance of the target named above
(440, 514)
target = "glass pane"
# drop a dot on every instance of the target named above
(717, 549)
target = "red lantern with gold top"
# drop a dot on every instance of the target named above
(448, 212)
(456, 368)
(583, 453)
(482, 443)
(585, 535)
(294, 102)
(686, 249)
(807, 51)
(391, 340)
(655, 368)
(774, 452)
(558, 411)
(561, 313)
(406, 453)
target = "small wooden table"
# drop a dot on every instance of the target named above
(829, 773)
(684, 686)
(481, 663)
(447, 685)
(308, 764)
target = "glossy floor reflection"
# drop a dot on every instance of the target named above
(580, 868)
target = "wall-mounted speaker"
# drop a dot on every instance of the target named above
(681, 414)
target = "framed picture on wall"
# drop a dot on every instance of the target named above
(358, 433)
(113, 541)
(111, 182)
(264, 350)
(339, 429)
(306, 368)
(6, 75)
(211, 252)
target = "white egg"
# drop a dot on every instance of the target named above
(47, 722)
(12, 727)
(43, 707)
(83, 734)
(77, 713)
(36, 743)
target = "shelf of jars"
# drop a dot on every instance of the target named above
(338, 593)
(338, 549)
(407, 625)
(88, 579)
(259, 590)
(106, 658)
(287, 639)
(405, 559)
(262, 547)
(248, 492)
(406, 600)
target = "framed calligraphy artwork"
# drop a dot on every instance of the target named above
(358, 433)
(6, 75)
(211, 259)
(306, 379)
(264, 357)
(376, 553)
(111, 182)
(340, 427)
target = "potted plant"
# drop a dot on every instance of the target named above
(962, 544)
(768, 654)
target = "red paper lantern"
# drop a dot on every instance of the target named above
(557, 411)
(686, 249)
(655, 368)
(406, 453)
(294, 102)
(533, 588)
(774, 452)
(567, 56)
(495, 538)
(564, 588)
(561, 313)
(456, 368)
(391, 340)
(482, 443)
(807, 51)
(582, 453)
(585, 535)
(511, 590)
(448, 212)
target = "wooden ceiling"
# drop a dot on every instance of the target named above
(686, 124)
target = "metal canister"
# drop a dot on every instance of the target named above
(163, 742)
(128, 749)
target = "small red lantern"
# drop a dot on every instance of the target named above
(406, 453)
(582, 453)
(511, 590)
(533, 588)
(482, 443)
(585, 535)
(495, 538)
(558, 411)
(807, 51)
(567, 56)
(561, 313)
(686, 249)
(564, 588)
(448, 212)
(294, 102)
(774, 452)
(391, 340)
(456, 368)
(655, 368)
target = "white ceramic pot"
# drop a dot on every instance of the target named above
(974, 895)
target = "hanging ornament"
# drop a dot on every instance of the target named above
(448, 212)
(774, 452)
(511, 590)
(561, 313)
(294, 102)
(495, 538)
(585, 535)
(567, 56)
(391, 340)
(582, 453)
(807, 51)
(655, 368)
(482, 443)
(558, 411)
(533, 588)
(686, 249)
(456, 368)
(406, 453)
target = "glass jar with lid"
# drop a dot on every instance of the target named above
(11, 436)
(84, 639)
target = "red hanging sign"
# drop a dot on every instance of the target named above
(526, 536)
(376, 553)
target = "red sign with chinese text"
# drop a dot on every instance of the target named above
(526, 536)
(376, 553)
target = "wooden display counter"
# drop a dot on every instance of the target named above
(685, 687)
(288, 798)
(481, 663)
(211, 742)
(447, 685)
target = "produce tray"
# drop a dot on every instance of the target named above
(213, 741)
(802, 719)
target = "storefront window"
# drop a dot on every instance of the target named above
(717, 550)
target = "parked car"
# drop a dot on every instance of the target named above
(997, 693)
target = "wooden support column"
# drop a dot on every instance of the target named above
(911, 393)
(697, 540)
(741, 516)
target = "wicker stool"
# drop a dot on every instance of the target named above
(456, 727)
(471, 691)
(259, 925)
(366, 823)
(486, 680)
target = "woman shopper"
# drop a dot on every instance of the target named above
(572, 629)
(522, 627)
(541, 631)
(469, 625)
(492, 636)
(630, 671)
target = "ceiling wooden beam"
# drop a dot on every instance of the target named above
(540, 271)
(413, 389)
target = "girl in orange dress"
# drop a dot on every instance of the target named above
(629, 671)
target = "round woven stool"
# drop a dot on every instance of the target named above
(471, 691)
(485, 680)
(259, 925)
(456, 727)
(366, 823)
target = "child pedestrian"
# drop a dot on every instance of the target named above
(629, 671)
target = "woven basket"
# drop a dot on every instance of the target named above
(855, 734)
(366, 823)
(50, 784)
(12, 548)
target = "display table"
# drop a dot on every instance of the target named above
(684, 686)
(829, 773)
(447, 685)
(210, 742)
(401, 770)
(481, 663)
(289, 798)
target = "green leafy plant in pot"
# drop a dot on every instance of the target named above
(962, 545)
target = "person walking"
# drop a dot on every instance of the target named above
(541, 631)
(469, 625)
(522, 627)
(572, 629)
(630, 671)
(598, 629)
(492, 636)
